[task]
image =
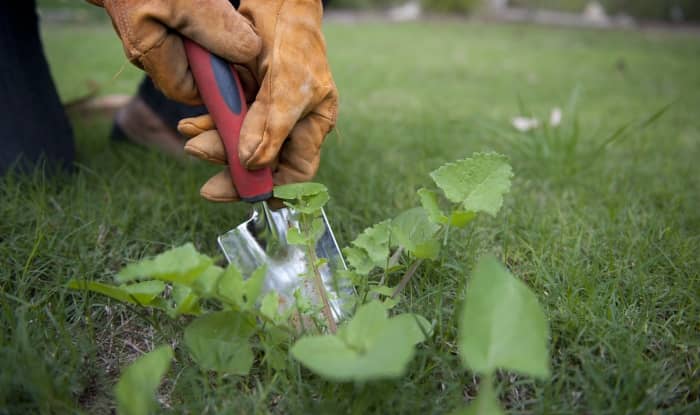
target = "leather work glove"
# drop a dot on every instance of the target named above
(150, 32)
(294, 98)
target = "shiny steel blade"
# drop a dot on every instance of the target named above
(262, 240)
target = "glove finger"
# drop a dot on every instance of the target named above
(301, 153)
(167, 65)
(265, 129)
(208, 147)
(216, 26)
(190, 127)
(220, 188)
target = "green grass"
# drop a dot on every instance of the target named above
(610, 248)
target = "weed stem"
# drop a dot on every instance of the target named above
(406, 278)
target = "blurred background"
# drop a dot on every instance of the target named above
(662, 10)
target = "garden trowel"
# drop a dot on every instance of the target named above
(262, 239)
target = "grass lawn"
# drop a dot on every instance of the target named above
(609, 241)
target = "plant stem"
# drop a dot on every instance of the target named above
(320, 287)
(406, 278)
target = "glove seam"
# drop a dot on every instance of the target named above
(143, 55)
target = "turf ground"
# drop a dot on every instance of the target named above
(608, 236)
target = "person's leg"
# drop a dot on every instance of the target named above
(33, 122)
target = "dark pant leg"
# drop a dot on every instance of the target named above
(32, 120)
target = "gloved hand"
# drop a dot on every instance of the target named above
(150, 31)
(295, 99)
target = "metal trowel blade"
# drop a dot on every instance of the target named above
(262, 240)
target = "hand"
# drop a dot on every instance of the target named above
(294, 99)
(150, 31)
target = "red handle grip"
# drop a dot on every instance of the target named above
(220, 89)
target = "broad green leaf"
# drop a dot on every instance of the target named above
(139, 382)
(254, 285)
(309, 204)
(383, 290)
(299, 190)
(391, 302)
(220, 342)
(142, 293)
(270, 306)
(318, 228)
(486, 402)
(359, 259)
(502, 324)
(206, 284)
(388, 301)
(183, 301)
(417, 327)
(145, 291)
(367, 323)
(414, 231)
(182, 265)
(477, 183)
(275, 346)
(460, 218)
(302, 302)
(230, 287)
(304, 197)
(429, 201)
(370, 346)
(239, 292)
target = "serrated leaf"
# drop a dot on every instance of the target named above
(414, 231)
(370, 346)
(294, 237)
(502, 325)
(477, 183)
(142, 293)
(371, 248)
(486, 403)
(182, 265)
(428, 199)
(137, 386)
(270, 306)
(220, 342)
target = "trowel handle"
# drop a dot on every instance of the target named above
(220, 89)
